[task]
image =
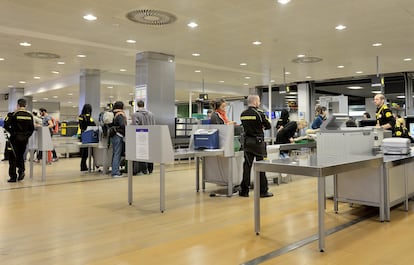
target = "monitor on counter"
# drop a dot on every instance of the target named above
(365, 123)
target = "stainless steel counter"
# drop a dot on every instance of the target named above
(313, 165)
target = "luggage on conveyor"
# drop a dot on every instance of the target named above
(396, 146)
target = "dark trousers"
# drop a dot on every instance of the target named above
(84, 157)
(16, 158)
(247, 168)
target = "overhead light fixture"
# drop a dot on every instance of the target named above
(257, 42)
(340, 27)
(25, 44)
(301, 55)
(109, 87)
(377, 44)
(221, 81)
(45, 98)
(283, 2)
(192, 25)
(81, 55)
(341, 66)
(61, 63)
(1, 59)
(22, 82)
(247, 77)
(89, 17)
(36, 77)
(243, 64)
(401, 96)
(195, 54)
(408, 59)
(197, 71)
(376, 91)
(70, 94)
(308, 77)
(287, 73)
(131, 41)
(122, 70)
(55, 72)
(355, 87)
(359, 72)
(245, 84)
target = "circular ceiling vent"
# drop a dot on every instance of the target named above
(307, 60)
(42, 55)
(151, 17)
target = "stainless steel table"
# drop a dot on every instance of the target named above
(313, 165)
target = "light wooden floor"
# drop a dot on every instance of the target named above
(75, 218)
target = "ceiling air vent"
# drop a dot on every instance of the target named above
(307, 60)
(42, 55)
(151, 17)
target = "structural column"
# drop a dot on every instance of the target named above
(90, 90)
(304, 104)
(155, 85)
(15, 93)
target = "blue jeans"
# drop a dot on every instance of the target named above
(117, 146)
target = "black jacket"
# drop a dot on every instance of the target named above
(19, 124)
(254, 121)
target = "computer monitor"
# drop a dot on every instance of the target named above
(365, 123)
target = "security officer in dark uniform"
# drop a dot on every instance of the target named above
(384, 116)
(20, 125)
(253, 122)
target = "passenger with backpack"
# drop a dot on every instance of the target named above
(117, 134)
(47, 121)
(84, 120)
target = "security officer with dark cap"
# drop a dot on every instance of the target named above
(254, 121)
(20, 125)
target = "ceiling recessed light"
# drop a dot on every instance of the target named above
(376, 91)
(55, 72)
(400, 96)
(308, 77)
(301, 55)
(272, 81)
(69, 102)
(243, 64)
(245, 84)
(36, 77)
(377, 44)
(25, 44)
(192, 25)
(1, 59)
(257, 42)
(109, 87)
(283, 2)
(22, 82)
(89, 17)
(355, 87)
(408, 59)
(81, 55)
(341, 66)
(131, 41)
(45, 98)
(340, 27)
(197, 71)
(359, 72)
(122, 70)
(221, 81)
(60, 62)
(195, 54)
(131, 94)
(55, 96)
(247, 77)
(287, 73)
(111, 96)
(34, 100)
(70, 94)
